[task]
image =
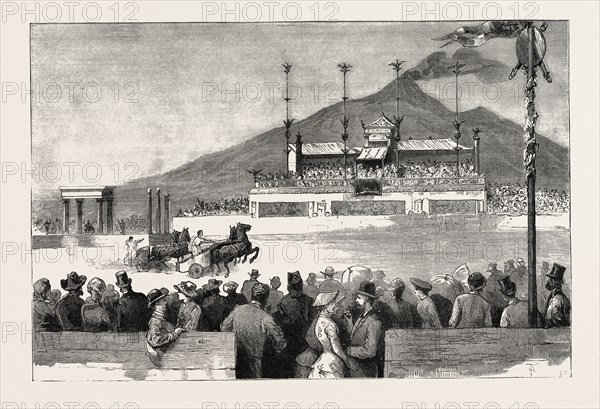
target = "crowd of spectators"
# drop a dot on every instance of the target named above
(239, 205)
(512, 198)
(436, 169)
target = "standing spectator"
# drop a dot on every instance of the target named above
(379, 279)
(331, 285)
(255, 330)
(248, 284)
(68, 308)
(189, 312)
(520, 277)
(95, 317)
(160, 332)
(233, 298)
(294, 314)
(471, 310)
(493, 296)
(515, 315)
(310, 288)
(133, 312)
(402, 309)
(366, 335)
(214, 306)
(44, 316)
(426, 307)
(110, 302)
(274, 295)
(558, 306)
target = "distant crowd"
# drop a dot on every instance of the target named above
(327, 330)
(436, 169)
(238, 205)
(512, 198)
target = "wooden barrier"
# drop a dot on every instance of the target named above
(122, 356)
(460, 353)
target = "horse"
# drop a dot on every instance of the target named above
(179, 249)
(234, 249)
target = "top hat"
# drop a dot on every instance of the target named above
(323, 299)
(507, 287)
(367, 288)
(122, 279)
(155, 295)
(395, 284)
(73, 281)
(212, 284)
(254, 273)
(329, 272)
(230, 285)
(557, 272)
(476, 281)
(260, 290)
(187, 288)
(420, 284)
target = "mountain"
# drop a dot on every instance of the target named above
(223, 173)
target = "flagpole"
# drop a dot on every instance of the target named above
(530, 150)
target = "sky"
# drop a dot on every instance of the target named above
(119, 101)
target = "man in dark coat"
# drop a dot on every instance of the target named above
(233, 298)
(403, 311)
(133, 312)
(274, 295)
(248, 284)
(294, 314)
(366, 337)
(558, 306)
(68, 308)
(255, 331)
(492, 294)
(44, 316)
(214, 306)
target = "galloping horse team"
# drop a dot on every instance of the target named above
(235, 249)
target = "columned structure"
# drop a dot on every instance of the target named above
(79, 193)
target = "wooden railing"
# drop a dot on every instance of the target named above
(309, 183)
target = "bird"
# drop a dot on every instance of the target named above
(457, 280)
(255, 173)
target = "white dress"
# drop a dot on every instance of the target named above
(329, 364)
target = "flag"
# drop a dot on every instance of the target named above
(474, 36)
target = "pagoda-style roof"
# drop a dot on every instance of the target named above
(382, 122)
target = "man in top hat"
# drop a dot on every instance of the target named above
(248, 284)
(255, 331)
(68, 308)
(366, 335)
(213, 306)
(471, 310)
(133, 312)
(493, 295)
(95, 317)
(44, 315)
(233, 298)
(274, 295)
(310, 288)
(190, 311)
(426, 307)
(515, 314)
(331, 285)
(160, 331)
(403, 310)
(294, 314)
(558, 306)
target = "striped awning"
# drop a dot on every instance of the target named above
(446, 144)
(372, 154)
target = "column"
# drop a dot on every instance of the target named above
(66, 216)
(167, 214)
(100, 216)
(158, 212)
(79, 222)
(109, 216)
(149, 212)
(476, 154)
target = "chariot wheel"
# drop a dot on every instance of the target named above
(195, 270)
